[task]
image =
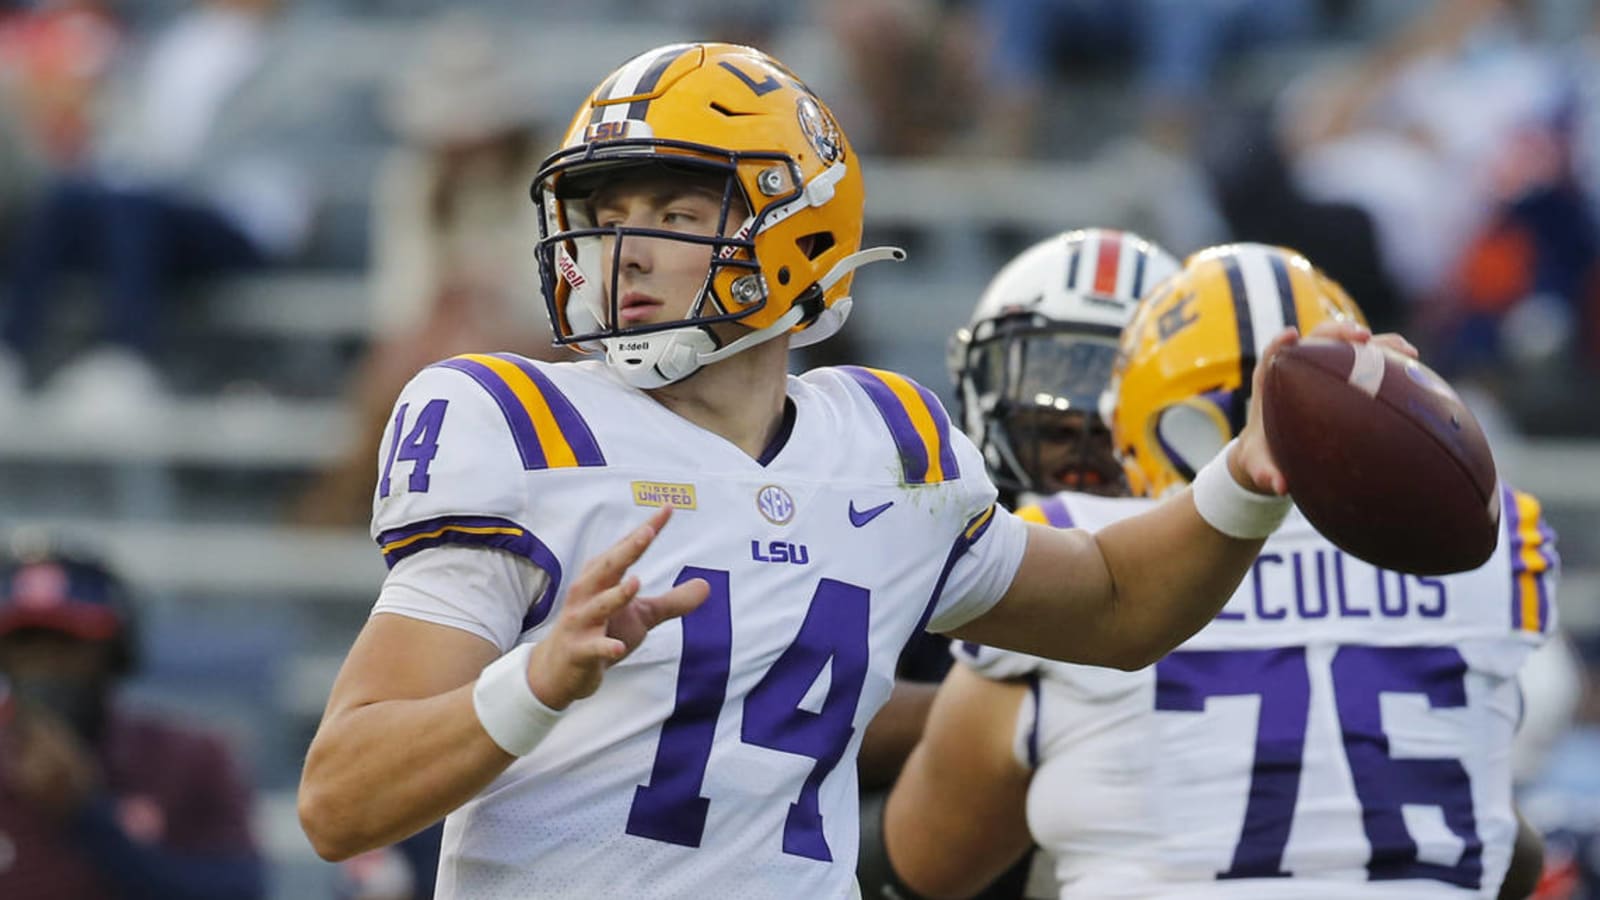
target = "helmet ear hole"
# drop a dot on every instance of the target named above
(815, 244)
(1189, 436)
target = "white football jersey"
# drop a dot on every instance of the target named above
(718, 760)
(1337, 731)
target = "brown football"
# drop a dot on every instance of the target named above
(1381, 456)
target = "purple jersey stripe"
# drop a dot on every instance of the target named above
(963, 543)
(1038, 713)
(478, 531)
(978, 525)
(1513, 524)
(527, 440)
(573, 427)
(913, 453)
(956, 551)
(1056, 512)
(941, 421)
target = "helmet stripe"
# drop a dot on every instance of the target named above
(637, 76)
(1139, 259)
(1286, 298)
(1105, 272)
(601, 93)
(1242, 321)
(631, 80)
(638, 108)
(1072, 265)
(1262, 296)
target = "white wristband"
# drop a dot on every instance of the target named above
(1229, 507)
(507, 708)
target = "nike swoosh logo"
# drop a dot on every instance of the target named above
(862, 517)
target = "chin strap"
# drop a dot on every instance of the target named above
(831, 319)
(659, 359)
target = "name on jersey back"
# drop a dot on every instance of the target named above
(1319, 584)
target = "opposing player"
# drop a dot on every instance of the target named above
(1031, 365)
(703, 215)
(1345, 728)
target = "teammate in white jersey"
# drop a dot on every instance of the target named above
(1029, 369)
(1336, 731)
(599, 720)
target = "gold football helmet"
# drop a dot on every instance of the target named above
(784, 265)
(1180, 388)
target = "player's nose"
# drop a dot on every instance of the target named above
(634, 254)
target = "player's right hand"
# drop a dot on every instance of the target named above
(1251, 461)
(603, 619)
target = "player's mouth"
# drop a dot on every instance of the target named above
(636, 307)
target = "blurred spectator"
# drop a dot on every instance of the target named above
(182, 184)
(53, 58)
(1563, 801)
(453, 232)
(914, 65)
(403, 871)
(1456, 137)
(96, 801)
(1587, 59)
(1177, 46)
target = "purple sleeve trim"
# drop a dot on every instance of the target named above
(478, 531)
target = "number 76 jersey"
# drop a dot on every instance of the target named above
(1338, 731)
(718, 759)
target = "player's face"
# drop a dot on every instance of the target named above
(659, 279)
(1066, 451)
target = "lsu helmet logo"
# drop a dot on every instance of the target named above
(819, 128)
(616, 131)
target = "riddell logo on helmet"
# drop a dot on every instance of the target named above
(570, 271)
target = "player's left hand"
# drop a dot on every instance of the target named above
(1251, 462)
(49, 766)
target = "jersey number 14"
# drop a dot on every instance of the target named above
(669, 808)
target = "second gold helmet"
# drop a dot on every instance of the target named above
(1180, 389)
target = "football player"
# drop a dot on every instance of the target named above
(1031, 365)
(1337, 730)
(1029, 369)
(702, 217)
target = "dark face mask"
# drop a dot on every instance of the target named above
(78, 702)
